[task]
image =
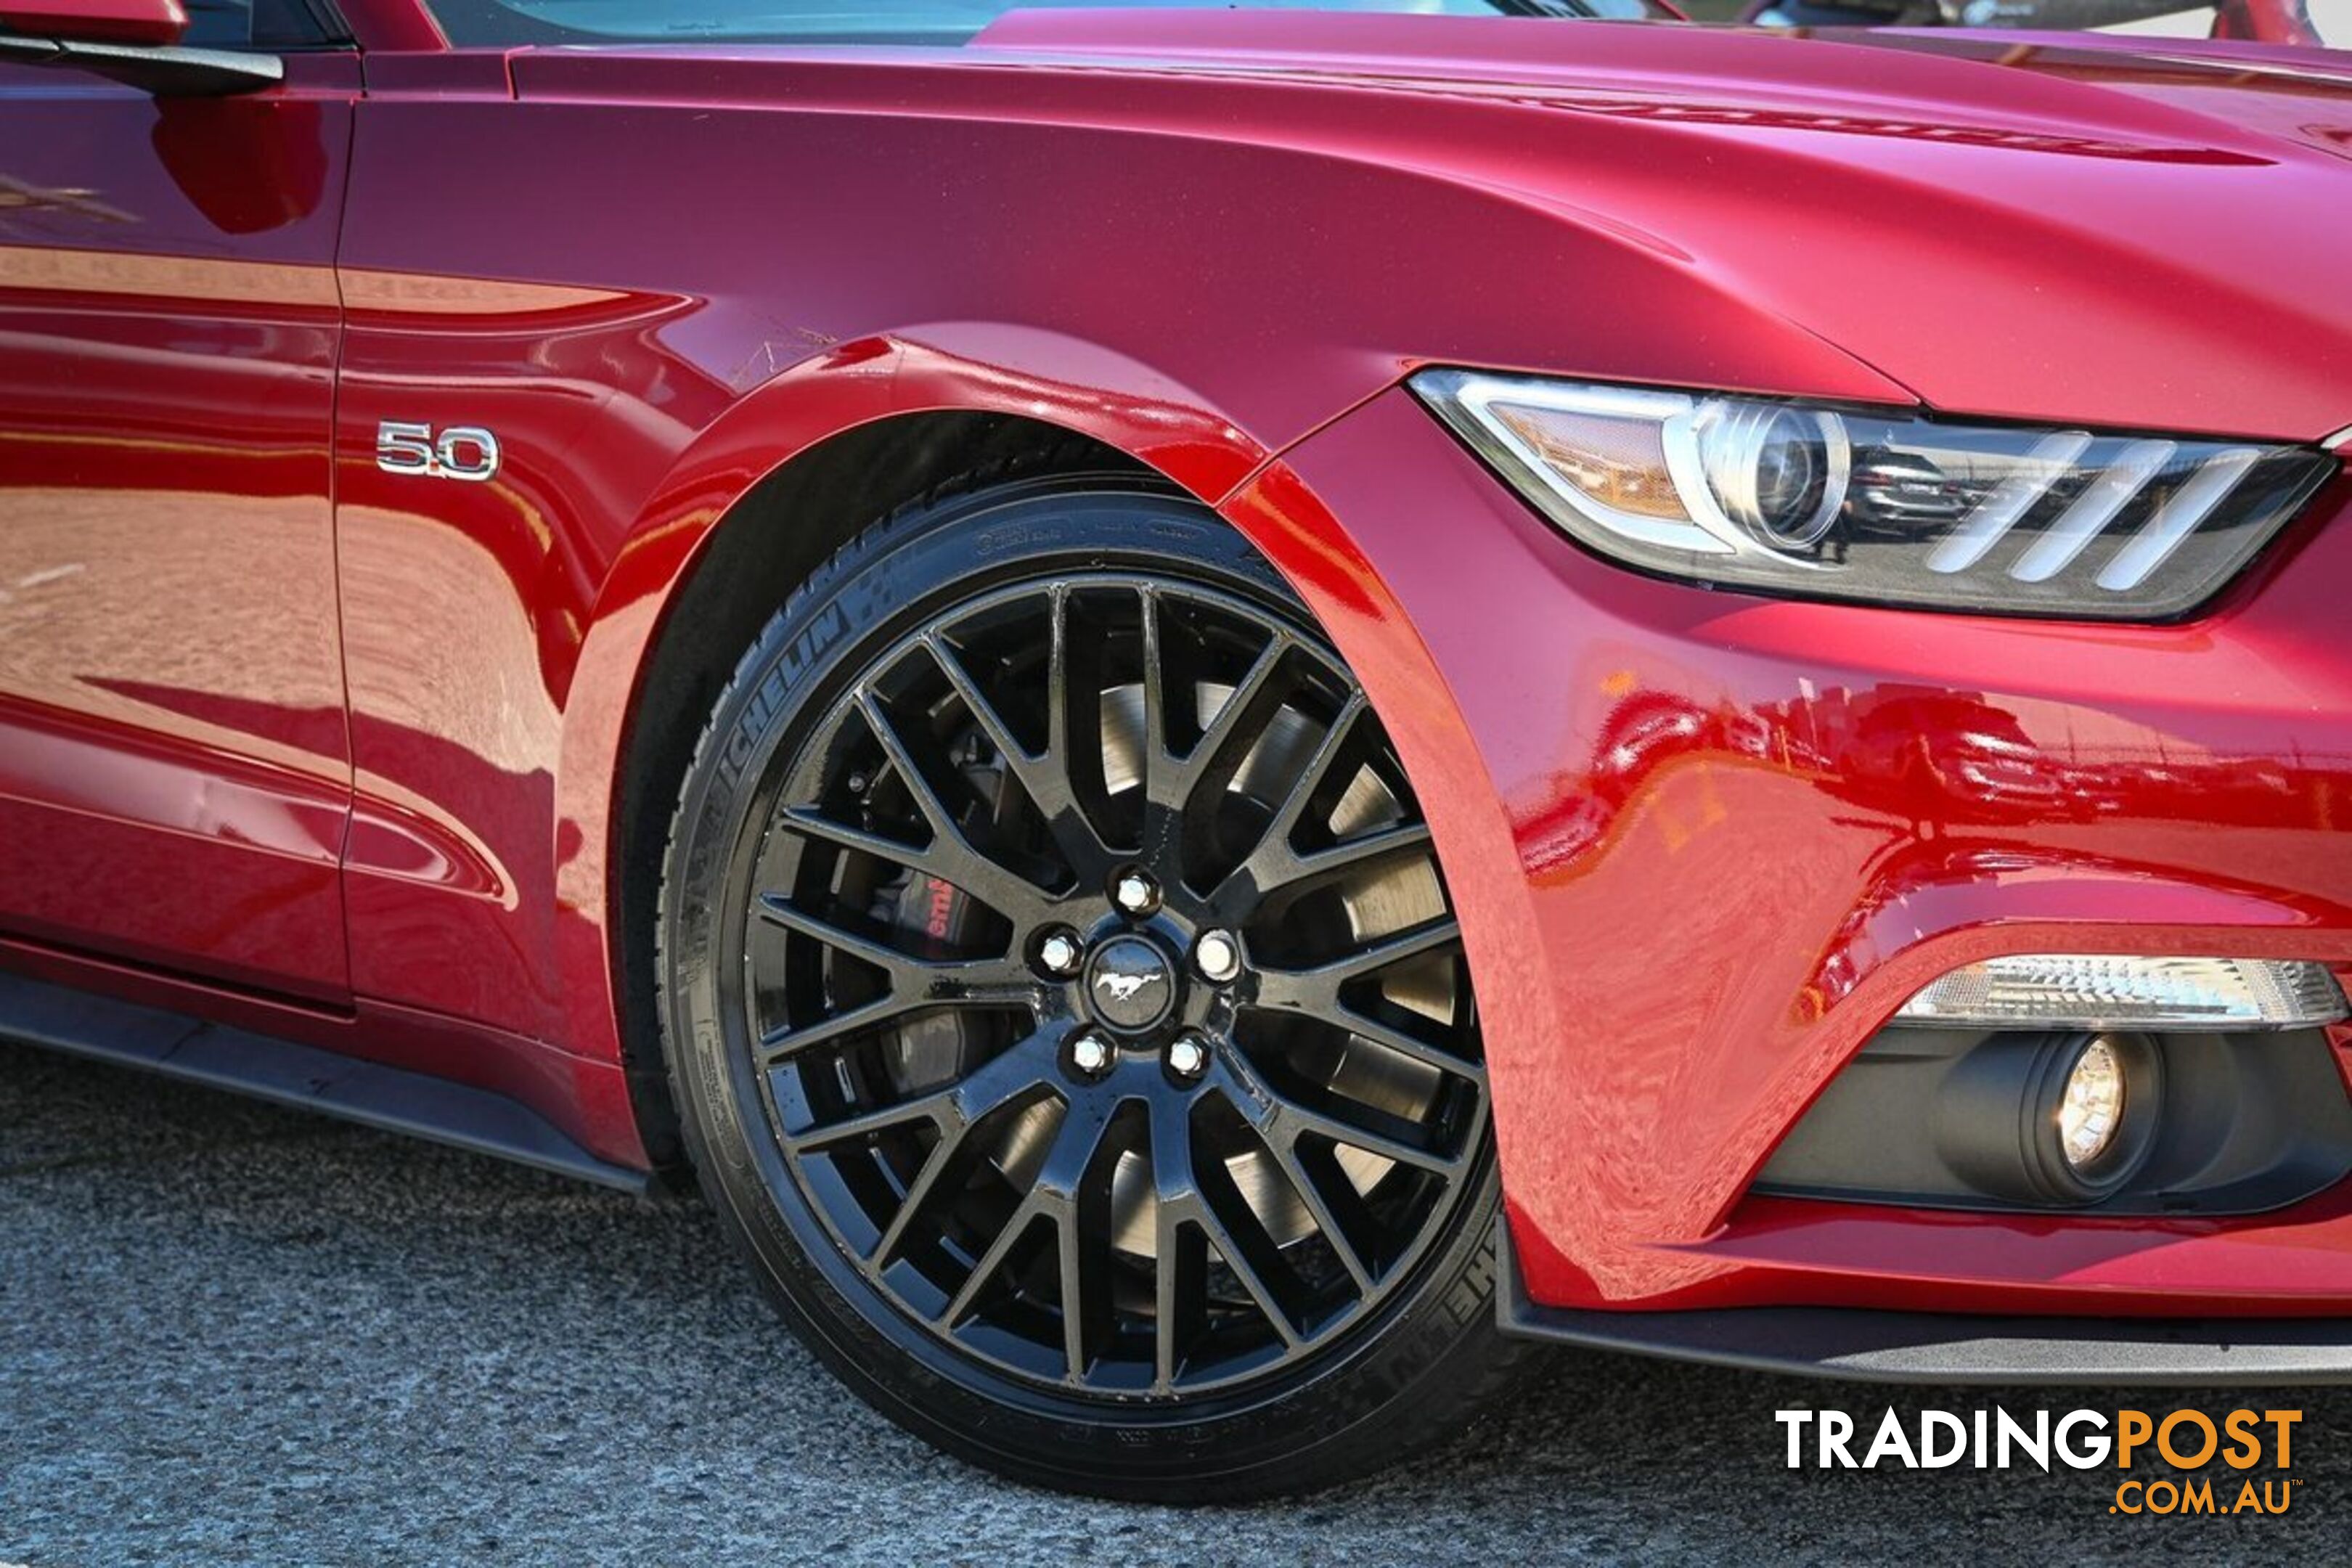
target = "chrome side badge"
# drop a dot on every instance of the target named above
(464, 452)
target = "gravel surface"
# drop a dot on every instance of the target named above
(230, 1333)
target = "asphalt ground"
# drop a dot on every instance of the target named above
(231, 1333)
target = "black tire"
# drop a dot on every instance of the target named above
(1224, 1408)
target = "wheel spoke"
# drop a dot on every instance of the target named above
(936, 1162)
(791, 1038)
(952, 861)
(999, 1081)
(1310, 1193)
(1183, 795)
(1157, 752)
(1319, 767)
(1316, 988)
(954, 1108)
(1352, 855)
(1178, 1300)
(1175, 779)
(1249, 1261)
(1241, 721)
(811, 823)
(782, 912)
(866, 1124)
(1066, 1244)
(1028, 767)
(1272, 861)
(1341, 1129)
(1044, 776)
(1283, 1117)
(1074, 736)
(952, 856)
(970, 980)
(1387, 1036)
(1167, 778)
(1017, 1225)
(1089, 1311)
(1056, 1195)
(1319, 993)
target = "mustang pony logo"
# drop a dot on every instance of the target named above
(1123, 987)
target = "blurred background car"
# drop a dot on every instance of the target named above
(2317, 24)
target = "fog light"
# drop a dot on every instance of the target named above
(2055, 1119)
(2094, 991)
(2092, 1107)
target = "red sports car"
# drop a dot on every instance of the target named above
(1222, 712)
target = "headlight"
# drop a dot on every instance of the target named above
(1886, 507)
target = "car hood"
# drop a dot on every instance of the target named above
(1950, 81)
(2085, 228)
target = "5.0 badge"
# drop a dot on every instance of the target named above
(460, 452)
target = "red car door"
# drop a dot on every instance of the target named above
(174, 770)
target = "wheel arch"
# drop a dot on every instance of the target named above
(754, 505)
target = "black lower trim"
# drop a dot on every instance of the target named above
(1870, 1346)
(303, 1077)
(1967, 1119)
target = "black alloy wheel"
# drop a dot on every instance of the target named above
(1068, 1012)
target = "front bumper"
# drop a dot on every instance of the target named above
(1704, 843)
(1867, 1345)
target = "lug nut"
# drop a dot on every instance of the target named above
(1135, 893)
(1187, 1056)
(1090, 1054)
(1059, 953)
(1217, 956)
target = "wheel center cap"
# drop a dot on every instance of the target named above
(1131, 985)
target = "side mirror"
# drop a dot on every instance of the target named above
(131, 41)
